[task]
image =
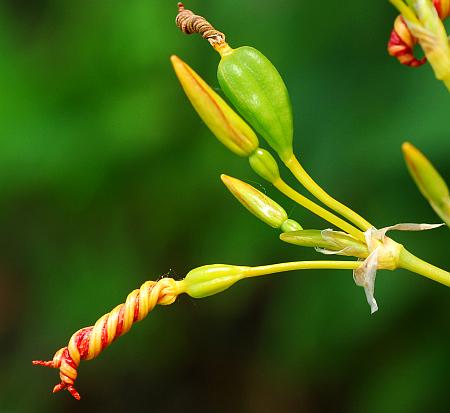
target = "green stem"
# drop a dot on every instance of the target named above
(284, 188)
(303, 177)
(412, 263)
(300, 265)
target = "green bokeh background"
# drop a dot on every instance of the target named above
(108, 178)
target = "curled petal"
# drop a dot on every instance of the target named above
(401, 44)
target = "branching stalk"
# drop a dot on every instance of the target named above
(285, 189)
(305, 179)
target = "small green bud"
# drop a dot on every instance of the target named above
(327, 241)
(223, 121)
(290, 225)
(211, 279)
(255, 88)
(265, 165)
(429, 181)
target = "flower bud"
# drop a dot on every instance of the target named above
(290, 225)
(211, 279)
(327, 241)
(256, 202)
(265, 165)
(223, 121)
(429, 181)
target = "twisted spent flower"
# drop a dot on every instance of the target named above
(402, 41)
(87, 343)
(190, 23)
(401, 44)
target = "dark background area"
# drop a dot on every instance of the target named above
(108, 178)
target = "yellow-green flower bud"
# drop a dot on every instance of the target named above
(223, 121)
(265, 165)
(327, 241)
(428, 180)
(256, 202)
(211, 279)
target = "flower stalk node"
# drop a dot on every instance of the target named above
(384, 253)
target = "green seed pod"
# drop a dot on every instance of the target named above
(429, 181)
(211, 279)
(265, 165)
(259, 204)
(223, 121)
(254, 86)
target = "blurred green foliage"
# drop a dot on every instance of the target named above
(108, 178)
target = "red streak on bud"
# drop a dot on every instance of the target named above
(105, 334)
(136, 308)
(120, 322)
(82, 341)
(67, 359)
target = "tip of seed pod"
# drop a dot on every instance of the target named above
(180, 6)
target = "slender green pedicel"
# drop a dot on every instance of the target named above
(255, 88)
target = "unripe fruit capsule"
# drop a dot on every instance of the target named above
(254, 86)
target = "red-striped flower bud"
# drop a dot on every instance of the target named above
(223, 121)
